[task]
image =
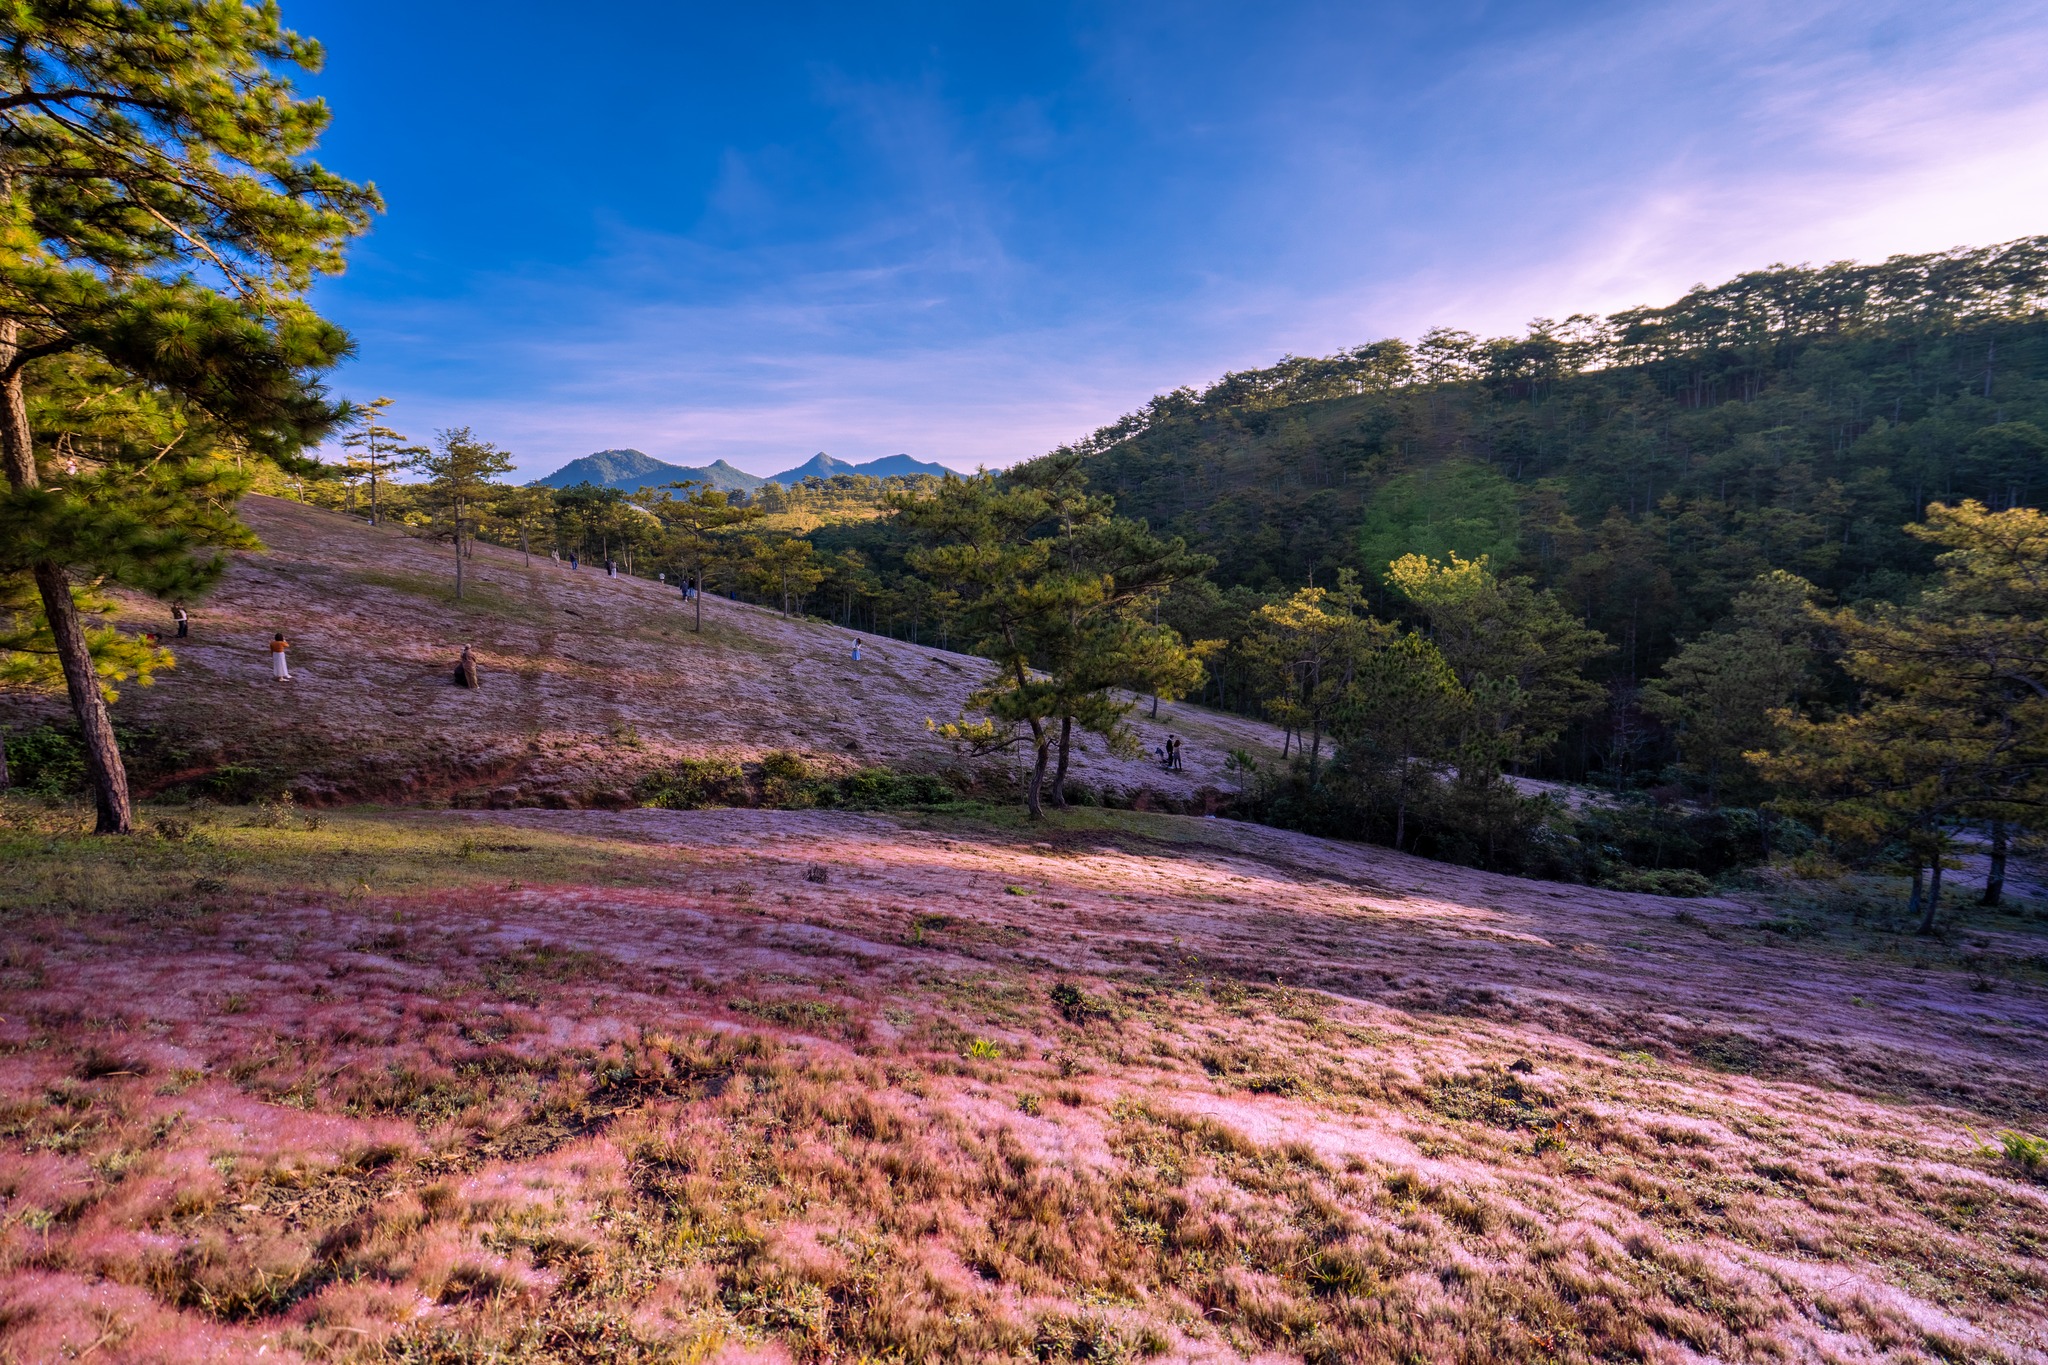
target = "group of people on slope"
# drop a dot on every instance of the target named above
(611, 566)
(465, 674)
(1170, 757)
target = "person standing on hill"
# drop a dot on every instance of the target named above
(184, 622)
(465, 670)
(278, 648)
(575, 560)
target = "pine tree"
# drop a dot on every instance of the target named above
(462, 476)
(157, 213)
(379, 448)
(1053, 587)
(1720, 690)
(700, 526)
(1517, 651)
(519, 512)
(1311, 644)
(1951, 718)
(1399, 719)
(978, 543)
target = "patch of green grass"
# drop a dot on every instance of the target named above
(2025, 1151)
(480, 597)
(49, 861)
(793, 1013)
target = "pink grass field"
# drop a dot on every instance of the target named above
(806, 1086)
(589, 683)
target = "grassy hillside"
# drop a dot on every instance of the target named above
(760, 1086)
(590, 684)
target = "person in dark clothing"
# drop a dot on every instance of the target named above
(574, 561)
(184, 622)
(465, 670)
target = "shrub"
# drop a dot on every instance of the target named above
(1615, 841)
(786, 780)
(1076, 1006)
(881, 788)
(695, 783)
(2028, 1153)
(1670, 881)
(46, 762)
(235, 783)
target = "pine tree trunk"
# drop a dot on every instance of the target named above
(1994, 883)
(1059, 780)
(458, 552)
(1913, 901)
(1933, 897)
(81, 681)
(1042, 752)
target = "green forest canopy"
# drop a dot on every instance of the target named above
(1648, 465)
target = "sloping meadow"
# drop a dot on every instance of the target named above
(770, 1085)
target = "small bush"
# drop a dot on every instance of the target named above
(2025, 1151)
(880, 789)
(1076, 1006)
(46, 762)
(235, 783)
(786, 780)
(695, 784)
(1670, 881)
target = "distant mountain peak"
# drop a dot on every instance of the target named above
(823, 466)
(631, 470)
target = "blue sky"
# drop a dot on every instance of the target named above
(973, 232)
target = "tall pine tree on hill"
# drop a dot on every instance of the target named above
(158, 214)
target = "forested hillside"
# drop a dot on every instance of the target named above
(1647, 465)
